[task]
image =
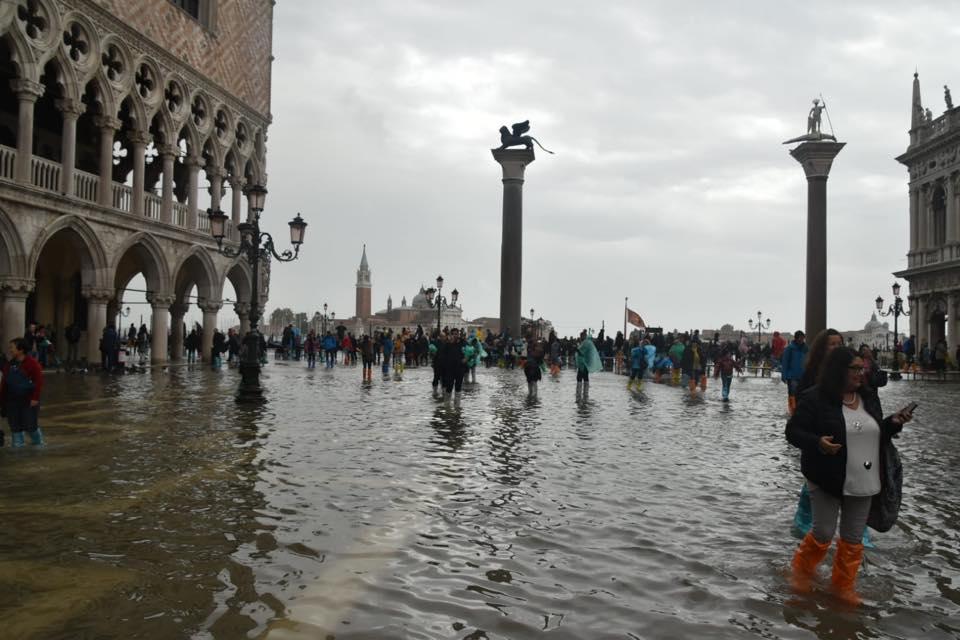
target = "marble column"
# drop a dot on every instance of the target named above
(194, 163)
(27, 92)
(514, 163)
(97, 301)
(816, 158)
(215, 174)
(177, 312)
(242, 309)
(920, 311)
(913, 302)
(14, 292)
(210, 309)
(108, 126)
(168, 155)
(236, 194)
(138, 147)
(159, 327)
(950, 188)
(71, 110)
(953, 326)
(925, 226)
(914, 219)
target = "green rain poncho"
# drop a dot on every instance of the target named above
(588, 357)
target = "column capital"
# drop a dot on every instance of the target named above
(210, 306)
(236, 182)
(168, 150)
(241, 308)
(135, 136)
(213, 171)
(107, 122)
(98, 295)
(161, 301)
(12, 286)
(71, 107)
(513, 162)
(26, 89)
(194, 161)
(816, 158)
(179, 309)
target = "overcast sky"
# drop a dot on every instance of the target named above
(670, 184)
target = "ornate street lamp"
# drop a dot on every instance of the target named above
(440, 302)
(896, 310)
(760, 325)
(255, 246)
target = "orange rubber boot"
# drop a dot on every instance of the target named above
(846, 564)
(791, 404)
(809, 554)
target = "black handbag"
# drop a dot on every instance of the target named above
(886, 505)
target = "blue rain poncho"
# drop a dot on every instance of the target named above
(588, 357)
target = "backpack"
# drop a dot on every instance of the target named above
(18, 384)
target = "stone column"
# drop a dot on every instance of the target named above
(97, 301)
(236, 194)
(242, 309)
(108, 126)
(914, 219)
(27, 92)
(160, 305)
(168, 154)
(514, 163)
(953, 326)
(193, 197)
(138, 147)
(210, 309)
(215, 174)
(14, 292)
(816, 158)
(920, 311)
(924, 228)
(950, 189)
(177, 312)
(71, 111)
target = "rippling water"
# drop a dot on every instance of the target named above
(162, 510)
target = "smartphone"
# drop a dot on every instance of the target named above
(912, 407)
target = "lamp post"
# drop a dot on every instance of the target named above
(760, 324)
(896, 310)
(324, 318)
(256, 246)
(440, 302)
(122, 313)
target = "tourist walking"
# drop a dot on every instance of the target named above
(531, 370)
(587, 361)
(330, 349)
(218, 347)
(638, 365)
(676, 358)
(791, 367)
(694, 365)
(20, 394)
(840, 429)
(192, 344)
(367, 356)
(723, 368)
(311, 346)
(386, 344)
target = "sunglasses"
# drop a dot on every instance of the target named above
(856, 369)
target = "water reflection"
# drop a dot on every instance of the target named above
(166, 510)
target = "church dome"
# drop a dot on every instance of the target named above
(873, 324)
(420, 300)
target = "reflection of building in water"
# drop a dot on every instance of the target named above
(116, 119)
(933, 259)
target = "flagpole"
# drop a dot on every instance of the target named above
(625, 319)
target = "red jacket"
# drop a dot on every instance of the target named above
(30, 368)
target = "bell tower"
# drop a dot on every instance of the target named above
(363, 287)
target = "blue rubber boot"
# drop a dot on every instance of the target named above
(17, 440)
(36, 437)
(803, 517)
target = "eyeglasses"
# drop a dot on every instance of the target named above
(856, 369)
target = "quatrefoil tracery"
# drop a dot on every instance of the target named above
(75, 39)
(31, 15)
(112, 62)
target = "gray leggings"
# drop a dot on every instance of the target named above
(853, 515)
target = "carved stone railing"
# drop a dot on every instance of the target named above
(151, 206)
(45, 173)
(179, 214)
(8, 162)
(122, 197)
(85, 185)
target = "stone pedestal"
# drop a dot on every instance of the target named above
(513, 163)
(816, 158)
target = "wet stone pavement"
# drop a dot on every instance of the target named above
(162, 510)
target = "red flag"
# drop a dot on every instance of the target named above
(634, 318)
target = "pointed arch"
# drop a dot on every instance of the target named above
(93, 258)
(141, 250)
(21, 55)
(240, 276)
(67, 80)
(197, 268)
(12, 255)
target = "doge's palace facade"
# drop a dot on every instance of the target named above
(114, 115)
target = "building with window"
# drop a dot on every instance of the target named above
(933, 260)
(119, 119)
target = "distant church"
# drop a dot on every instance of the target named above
(418, 312)
(933, 261)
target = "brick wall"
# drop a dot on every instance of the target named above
(236, 54)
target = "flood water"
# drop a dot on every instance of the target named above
(162, 510)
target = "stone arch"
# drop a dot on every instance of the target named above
(105, 103)
(141, 253)
(21, 55)
(12, 255)
(67, 80)
(197, 268)
(241, 277)
(93, 257)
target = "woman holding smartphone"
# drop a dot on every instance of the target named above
(839, 428)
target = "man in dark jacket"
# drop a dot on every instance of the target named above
(792, 366)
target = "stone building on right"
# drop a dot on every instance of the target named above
(933, 260)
